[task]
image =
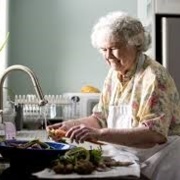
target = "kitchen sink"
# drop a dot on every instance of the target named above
(32, 134)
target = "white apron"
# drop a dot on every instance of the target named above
(161, 162)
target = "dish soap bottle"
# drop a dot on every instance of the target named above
(2, 131)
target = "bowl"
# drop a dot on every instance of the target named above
(31, 159)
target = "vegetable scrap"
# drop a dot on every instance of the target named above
(34, 144)
(82, 161)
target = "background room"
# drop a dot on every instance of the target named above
(53, 39)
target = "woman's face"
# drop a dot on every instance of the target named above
(118, 55)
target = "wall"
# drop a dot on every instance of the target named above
(52, 37)
(3, 34)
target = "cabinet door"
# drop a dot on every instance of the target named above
(167, 6)
(171, 46)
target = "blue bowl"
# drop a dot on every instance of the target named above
(31, 159)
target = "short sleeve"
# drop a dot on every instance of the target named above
(158, 107)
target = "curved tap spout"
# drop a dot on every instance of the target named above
(34, 80)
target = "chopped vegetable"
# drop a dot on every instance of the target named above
(34, 144)
(83, 161)
(79, 153)
(59, 134)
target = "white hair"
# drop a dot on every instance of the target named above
(121, 27)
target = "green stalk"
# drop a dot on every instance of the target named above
(5, 42)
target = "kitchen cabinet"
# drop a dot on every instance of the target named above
(162, 19)
(147, 12)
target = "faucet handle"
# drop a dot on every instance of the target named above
(43, 102)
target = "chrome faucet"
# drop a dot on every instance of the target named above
(34, 80)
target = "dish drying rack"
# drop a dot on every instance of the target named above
(58, 108)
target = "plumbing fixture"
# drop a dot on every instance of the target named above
(34, 80)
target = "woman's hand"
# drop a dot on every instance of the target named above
(72, 128)
(65, 125)
(81, 133)
(58, 131)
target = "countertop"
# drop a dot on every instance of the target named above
(7, 173)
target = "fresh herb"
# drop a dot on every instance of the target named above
(96, 156)
(82, 161)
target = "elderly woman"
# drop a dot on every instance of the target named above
(139, 107)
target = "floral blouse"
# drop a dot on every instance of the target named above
(156, 102)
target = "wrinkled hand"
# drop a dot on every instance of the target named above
(58, 131)
(81, 133)
(65, 125)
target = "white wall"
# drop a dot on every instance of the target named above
(3, 34)
(52, 37)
